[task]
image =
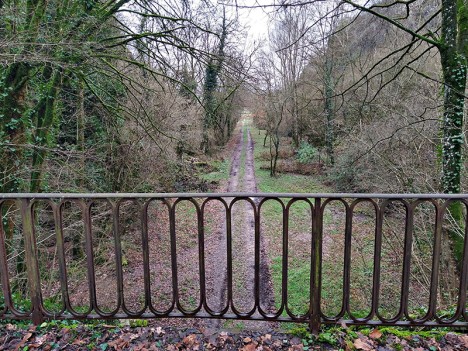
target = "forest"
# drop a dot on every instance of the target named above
(178, 96)
(94, 92)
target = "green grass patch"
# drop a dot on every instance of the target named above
(242, 156)
(298, 284)
(220, 173)
(283, 183)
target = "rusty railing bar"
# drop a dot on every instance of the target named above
(281, 319)
(406, 274)
(173, 239)
(230, 301)
(32, 267)
(285, 260)
(145, 248)
(377, 273)
(229, 195)
(461, 309)
(347, 261)
(432, 311)
(257, 258)
(4, 267)
(90, 255)
(315, 268)
(377, 261)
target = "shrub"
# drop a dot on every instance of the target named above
(306, 152)
(345, 175)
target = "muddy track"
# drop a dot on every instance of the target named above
(217, 282)
(267, 300)
(243, 241)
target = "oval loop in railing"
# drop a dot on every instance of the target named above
(206, 306)
(285, 276)
(385, 203)
(253, 205)
(265, 314)
(152, 308)
(118, 205)
(184, 311)
(70, 309)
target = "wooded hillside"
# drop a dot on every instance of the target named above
(365, 87)
(107, 96)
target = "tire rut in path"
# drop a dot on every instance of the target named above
(243, 223)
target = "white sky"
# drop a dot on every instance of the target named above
(255, 19)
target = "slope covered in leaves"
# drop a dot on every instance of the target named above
(138, 335)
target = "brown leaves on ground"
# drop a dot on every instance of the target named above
(364, 344)
(114, 338)
(376, 341)
(375, 334)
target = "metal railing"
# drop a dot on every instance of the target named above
(382, 206)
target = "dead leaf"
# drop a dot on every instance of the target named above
(363, 345)
(10, 327)
(79, 342)
(224, 335)
(191, 342)
(132, 336)
(26, 337)
(119, 344)
(266, 339)
(247, 340)
(464, 340)
(277, 343)
(249, 347)
(452, 339)
(141, 347)
(40, 339)
(376, 334)
(224, 338)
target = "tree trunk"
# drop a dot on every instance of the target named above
(45, 112)
(80, 139)
(13, 90)
(454, 68)
(211, 82)
(295, 114)
(329, 111)
(272, 169)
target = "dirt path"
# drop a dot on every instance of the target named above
(266, 286)
(241, 179)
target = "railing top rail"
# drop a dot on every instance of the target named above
(203, 195)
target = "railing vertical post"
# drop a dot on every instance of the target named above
(32, 269)
(4, 266)
(316, 267)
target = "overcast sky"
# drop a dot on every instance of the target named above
(255, 19)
